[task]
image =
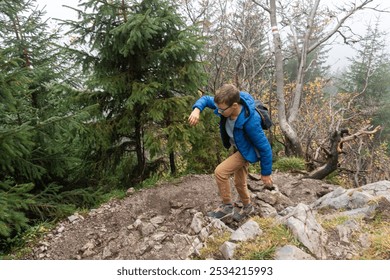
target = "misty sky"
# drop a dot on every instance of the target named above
(337, 55)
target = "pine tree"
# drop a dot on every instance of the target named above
(369, 70)
(15, 145)
(40, 129)
(369, 75)
(143, 66)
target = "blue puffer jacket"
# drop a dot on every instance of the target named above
(248, 135)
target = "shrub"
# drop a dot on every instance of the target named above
(286, 164)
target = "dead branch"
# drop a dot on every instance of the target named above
(363, 131)
(265, 8)
(336, 146)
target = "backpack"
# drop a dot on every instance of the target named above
(266, 122)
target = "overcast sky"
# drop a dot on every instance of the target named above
(337, 56)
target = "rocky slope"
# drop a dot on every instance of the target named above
(168, 221)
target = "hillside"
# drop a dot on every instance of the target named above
(168, 222)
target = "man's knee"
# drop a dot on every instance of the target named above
(217, 171)
(220, 173)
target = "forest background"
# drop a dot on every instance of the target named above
(100, 104)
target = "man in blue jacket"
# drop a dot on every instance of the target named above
(240, 127)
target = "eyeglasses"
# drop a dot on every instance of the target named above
(221, 111)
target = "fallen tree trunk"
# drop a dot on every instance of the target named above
(336, 147)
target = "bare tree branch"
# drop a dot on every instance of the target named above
(265, 8)
(339, 24)
(363, 131)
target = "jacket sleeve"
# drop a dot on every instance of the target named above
(257, 137)
(203, 102)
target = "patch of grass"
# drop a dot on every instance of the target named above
(264, 246)
(334, 179)
(266, 254)
(333, 223)
(114, 194)
(379, 233)
(148, 183)
(21, 245)
(287, 164)
(213, 244)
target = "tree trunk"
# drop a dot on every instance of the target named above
(302, 60)
(172, 163)
(294, 146)
(139, 145)
(333, 159)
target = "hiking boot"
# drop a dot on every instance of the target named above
(243, 212)
(223, 211)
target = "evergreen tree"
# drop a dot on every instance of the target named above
(369, 70)
(39, 128)
(15, 146)
(369, 75)
(143, 65)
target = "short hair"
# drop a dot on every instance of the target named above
(227, 94)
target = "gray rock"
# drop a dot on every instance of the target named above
(106, 253)
(364, 240)
(157, 220)
(130, 191)
(159, 237)
(61, 229)
(73, 218)
(354, 213)
(346, 229)
(266, 210)
(268, 197)
(182, 240)
(197, 245)
(228, 249)
(247, 231)
(343, 199)
(89, 253)
(137, 223)
(89, 245)
(183, 244)
(304, 226)
(143, 247)
(204, 233)
(197, 222)
(146, 229)
(219, 226)
(290, 252)
(381, 188)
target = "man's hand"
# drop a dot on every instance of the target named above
(267, 180)
(193, 119)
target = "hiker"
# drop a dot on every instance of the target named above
(240, 127)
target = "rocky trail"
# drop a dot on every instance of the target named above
(169, 221)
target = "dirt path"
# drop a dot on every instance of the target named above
(155, 223)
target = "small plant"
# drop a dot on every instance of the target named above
(286, 164)
(380, 242)
(22, 243)
(213, 244)
(266, 254)
(263, 247)
(148, 183)
(333, 223)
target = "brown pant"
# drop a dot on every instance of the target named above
(234, 165)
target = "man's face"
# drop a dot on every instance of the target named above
(225, 110)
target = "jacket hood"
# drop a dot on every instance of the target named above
(248, 107)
